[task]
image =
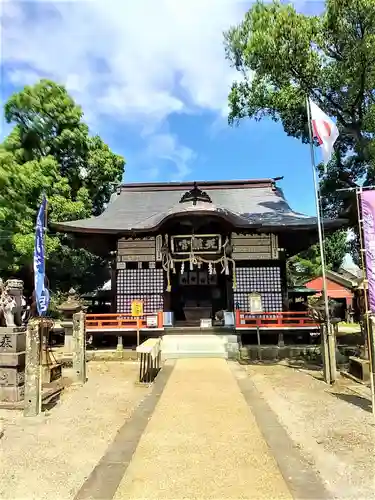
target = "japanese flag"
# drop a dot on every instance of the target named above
(324, 130)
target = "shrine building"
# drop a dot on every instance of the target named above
(198, 251)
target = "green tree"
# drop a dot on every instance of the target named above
(307, 265)
(284, 56)
(50, 150)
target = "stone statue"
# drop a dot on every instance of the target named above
(14, 288)
(8, 308)
(11, 302)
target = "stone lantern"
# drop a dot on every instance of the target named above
(69, 307)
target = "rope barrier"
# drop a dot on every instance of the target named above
(168, 264)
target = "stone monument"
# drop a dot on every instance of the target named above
(12, 366)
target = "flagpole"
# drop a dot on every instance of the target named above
(44, 340)
(329, 361)
(40, 226)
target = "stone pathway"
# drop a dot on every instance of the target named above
(202, 441)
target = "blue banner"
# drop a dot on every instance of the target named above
(41, 292)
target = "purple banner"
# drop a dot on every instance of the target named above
(368, 222)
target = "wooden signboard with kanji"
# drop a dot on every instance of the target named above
(137, 308)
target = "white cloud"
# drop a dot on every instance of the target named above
(136, 61)
(164, 148)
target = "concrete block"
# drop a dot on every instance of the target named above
(270, 353)
(249, 353)
(359, 368)
(12, 359)
(284, 352)
(12, 376)
(233, 351)
(233, 354)
(11, 341)
(12, 394)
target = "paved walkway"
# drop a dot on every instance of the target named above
(202, 442)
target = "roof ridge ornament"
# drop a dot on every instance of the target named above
(195, 195)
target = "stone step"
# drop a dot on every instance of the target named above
(197, 330)
(190, 354)
(195, 338)
(193, 346)
(194, 343)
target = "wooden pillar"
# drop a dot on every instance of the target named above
(284, 282)
(259, 345)
(167, 301)
(33, 388)
(229, 291)
(113, 265)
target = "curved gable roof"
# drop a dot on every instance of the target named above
(144, 207)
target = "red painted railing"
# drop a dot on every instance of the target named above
(245, 320)
(120, 321)
(269, 320)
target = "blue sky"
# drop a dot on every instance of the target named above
(153, 82)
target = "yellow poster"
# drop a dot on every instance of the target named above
(137, 308)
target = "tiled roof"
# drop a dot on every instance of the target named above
(245, 204)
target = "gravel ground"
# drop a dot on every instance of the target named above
(332, 426)
(50, 456)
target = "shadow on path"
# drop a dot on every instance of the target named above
(355, 400)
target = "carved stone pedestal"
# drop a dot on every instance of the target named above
(12, 366)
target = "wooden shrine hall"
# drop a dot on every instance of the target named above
(192, 252)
